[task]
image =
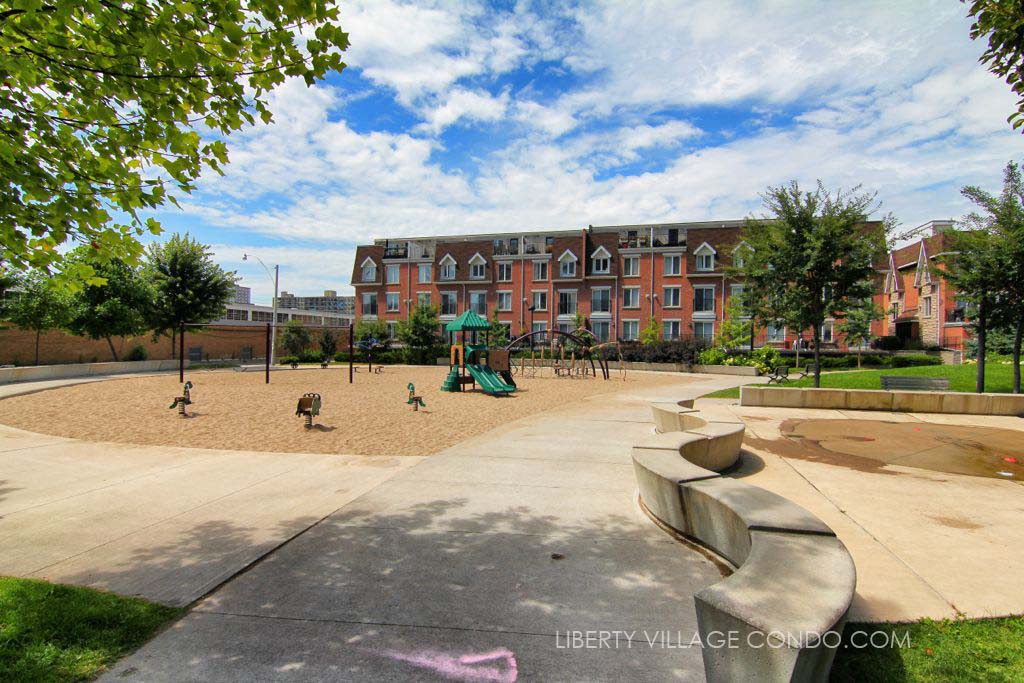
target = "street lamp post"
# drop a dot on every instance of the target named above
(273, 322)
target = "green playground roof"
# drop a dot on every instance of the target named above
(468, 322)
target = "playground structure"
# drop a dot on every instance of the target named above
(184, 400)
(414, 400)
(474, 363)
(569, 354)
(308, 407)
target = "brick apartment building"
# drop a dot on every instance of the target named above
(616, 277)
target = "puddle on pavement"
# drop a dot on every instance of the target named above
(870, 445)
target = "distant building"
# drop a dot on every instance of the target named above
(330, 302)
(254, 314)
(243, 295)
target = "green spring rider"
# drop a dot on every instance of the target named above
(414, 400)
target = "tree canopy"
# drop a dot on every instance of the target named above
(810, 257)
(38, 307)
(1001, 22)
(103, 101)
(188, 285)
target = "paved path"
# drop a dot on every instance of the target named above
(471, 565)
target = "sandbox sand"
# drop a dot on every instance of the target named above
(238, 411)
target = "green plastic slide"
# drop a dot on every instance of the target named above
(489, 380)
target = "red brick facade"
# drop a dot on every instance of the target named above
(616, 277)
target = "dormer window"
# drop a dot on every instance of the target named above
(601, 261)
(447, 267)
(477, 267)
(705, 255)
(567, 264)
(369, 270)
(739, 254)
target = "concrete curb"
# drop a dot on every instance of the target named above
(952, 403)
(35, 373)
(778, 617)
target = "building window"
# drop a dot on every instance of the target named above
(567, 302)
(673, 264)
(630, 330)
(670, 329)
(566, 327)
(369, 271)
(392, 330)
(631, 297)
(601, 330)
(705, 256)
(926, 307)
(601, 300)
(567, 264)
(540, 301)
(704, 332)
(602, 266)
(776, 333)
(448, 271)
(504, 272)
(393, 273)
(449, 303)
(541, 326)
(423, 299)
(671, 299)
(478, 303)
(704, 300)
(540, 270)
(827, 332)
(476, 271)
(631, 266)
(369, 304)
(262, 316)
(736, 299)
(392, 302)
(425, 271)
(504, 301)
(236, 314)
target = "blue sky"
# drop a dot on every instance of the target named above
(466, 116)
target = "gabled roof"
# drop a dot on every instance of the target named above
(742, 245)
(477, 259)
(705, 247)
(468, 322)
(923, 275)
(367, 260)
(568, 252)
(447, 259)
(892, 278)
(600, 252)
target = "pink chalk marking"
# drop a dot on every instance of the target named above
(465, 667)
(1010, 459)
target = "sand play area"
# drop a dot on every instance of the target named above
(238, 411)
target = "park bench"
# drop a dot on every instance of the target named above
(904, 383)
(807, 370)
(778, 374)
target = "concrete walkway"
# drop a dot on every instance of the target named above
(471, 565)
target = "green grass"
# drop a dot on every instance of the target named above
(53, 632)
(998, 378)
(960, 650)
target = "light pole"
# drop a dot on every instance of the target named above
(273, 322)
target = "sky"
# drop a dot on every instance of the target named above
(465, 117)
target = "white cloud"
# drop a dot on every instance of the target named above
(465, 104)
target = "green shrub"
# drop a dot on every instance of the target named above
(311, 356)
(287, 360)
(138, 353)
(915, 360)
(766, 358)
(712, 356)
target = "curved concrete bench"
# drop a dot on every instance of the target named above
(722, 434)
(794, 580)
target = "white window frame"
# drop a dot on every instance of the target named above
(709, 338)
(700, 253)
(604, 290)
(830, 337)
(625, 298)
(369, 272)
(567, 264)
(477, 267)
(507, 293)
(368, 296)
(601, 261)
(388, 298)
(471, 307)
(780, 333)
(607, 324)
(503, 266)
(396, 270)
(677, 259)
(576, 303)
(533, 299)
(705, 315)
(678, 296)
(428, 269)
(737, 254)
(449, 268)
(455, 297)
(543, 264)
(635, 261)
(419, 299)
(926, 306)
(671, 321)
(625, 335)
(733, 289)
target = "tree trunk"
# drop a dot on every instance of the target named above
(38, 332)
(113, 351)
(174, 345)
(979, 382)
(858, 357)
(817, 355)
(1017, 338)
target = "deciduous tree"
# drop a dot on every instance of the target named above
(1001, 23)
(38, 307)
(103, 101)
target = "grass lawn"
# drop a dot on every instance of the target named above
(53, 632)
(961, 650)
(998, 378)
